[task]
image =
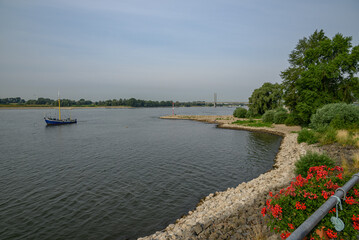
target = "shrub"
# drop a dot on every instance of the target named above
(312, 159)
(336, 115)
(280, 116)
(268, 116)
(292, 120)
(289, 208)
(240, 112)
(308, 136)
(250, 114)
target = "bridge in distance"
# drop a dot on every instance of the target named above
(231, 103)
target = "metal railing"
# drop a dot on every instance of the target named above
(318, 215)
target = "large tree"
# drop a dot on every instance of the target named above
(321, 71)
(265, 98)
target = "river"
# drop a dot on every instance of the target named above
(117, 173)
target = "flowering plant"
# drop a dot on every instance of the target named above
(289, 208)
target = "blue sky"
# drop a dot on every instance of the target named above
(183, 50)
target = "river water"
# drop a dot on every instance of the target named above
(117, 173)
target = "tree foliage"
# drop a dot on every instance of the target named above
(265, 98)
(240, 112)
(321, 71)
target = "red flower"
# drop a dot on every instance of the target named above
(271, 194)
(310, 195)
(325, 194)
(276, 211)
(350, 200)
(291, 226)
(340, 176)
(355, 222)
(264, 211)
(331, 234)
(285, 235)
(331, 185)
(356, 192)
(300, 206)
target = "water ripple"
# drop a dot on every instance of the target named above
(119, 174)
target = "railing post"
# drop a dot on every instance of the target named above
(318, 215)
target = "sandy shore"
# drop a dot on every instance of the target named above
(235, 213)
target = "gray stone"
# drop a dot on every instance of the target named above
(207, 224)
(198, 228)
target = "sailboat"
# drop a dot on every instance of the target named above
(59, 121)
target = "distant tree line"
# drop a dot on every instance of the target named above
(11, 100)
(132, 102)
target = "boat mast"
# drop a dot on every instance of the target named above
(58, 96)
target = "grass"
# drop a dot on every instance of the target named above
(356, 160)
(350, 169)
(252, 123)
(330, 135)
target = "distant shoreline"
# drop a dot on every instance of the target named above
(53, 107)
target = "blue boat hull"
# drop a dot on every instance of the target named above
(54, 121)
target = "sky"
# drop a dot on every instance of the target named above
(180, 50)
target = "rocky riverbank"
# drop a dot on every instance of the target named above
(235, 213)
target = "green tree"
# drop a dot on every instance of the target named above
(265, 98)
(321, 71)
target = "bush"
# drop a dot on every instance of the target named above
(250, 114)
(308, 136)
(289, 208)
(292, 120)
(240, 112)
(268, 116)
(336, 115)
(280, 116)
(312, 159)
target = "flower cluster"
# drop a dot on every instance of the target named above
(300, 206)
(355, 222)
(331, 234)
(292, 205)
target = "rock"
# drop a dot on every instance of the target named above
(207, 224)
(198, 228)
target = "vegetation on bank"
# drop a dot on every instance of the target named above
(338, 122)
(317, 180)
(289, 208)
(322, 71)
(318, 92)
(132, 102)
(240, 112)
(253, 123)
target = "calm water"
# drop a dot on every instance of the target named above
(118, 173)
